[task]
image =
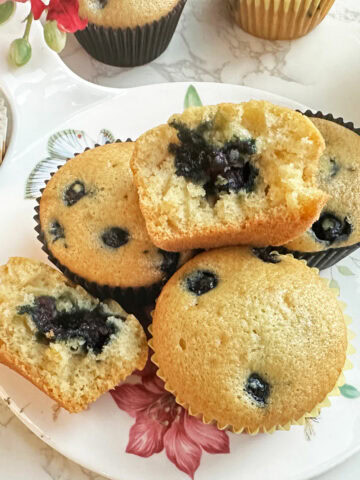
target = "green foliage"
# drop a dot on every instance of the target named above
(349, 391)
(192, 98)
(54, 38)
(20, 52)
(6, 11)
(345, 271)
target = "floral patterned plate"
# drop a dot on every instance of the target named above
(137, 431)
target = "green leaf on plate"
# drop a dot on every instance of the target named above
(334, 284)
(345, 271)
(6, 11)
(192, 98)
(349, 391)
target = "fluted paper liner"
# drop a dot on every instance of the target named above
(279, 19)
(130, 47)
(300, 421)
(329, 257)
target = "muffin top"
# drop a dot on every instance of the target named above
(250, 340)
(339, 176)
(124, 13)
(91, 221)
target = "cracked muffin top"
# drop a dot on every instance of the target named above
(250, 339)
(92, 224)
(339, 177)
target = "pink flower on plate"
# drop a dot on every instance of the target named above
(162, 423)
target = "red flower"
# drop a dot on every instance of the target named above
(37, 8)
(162, 423)
(65, 12)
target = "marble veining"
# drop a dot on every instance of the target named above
(209, 46)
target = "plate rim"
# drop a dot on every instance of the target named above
(16, 410)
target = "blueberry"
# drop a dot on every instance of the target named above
(115, 237)
(329, 228)
(267, 255)
(239, 178)
(201, 281)
(89, 326)
(102, 3)
(246, 146)
(170, 262)
(74, 193)
(334, 167)
(218, 169)
(56, 231)
(258, 389)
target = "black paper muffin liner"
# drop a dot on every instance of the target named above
(130, 47)
(136, 300)
(320, 260)
(329, 257)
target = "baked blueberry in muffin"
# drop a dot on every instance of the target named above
(93, 229)
(336, 233)
(229, 174)
(253, 344)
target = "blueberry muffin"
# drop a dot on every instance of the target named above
(67, 343)
(255, 342)
(229, 174)
(92, 228)
(127, 33)
(337, 232)
(279, 19)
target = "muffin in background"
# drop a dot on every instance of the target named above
(336, 233)
(253, 342)
(128, 33)
(279, 19)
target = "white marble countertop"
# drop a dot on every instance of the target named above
(321, 70)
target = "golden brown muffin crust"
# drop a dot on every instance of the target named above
(276, 320)
(125, 13)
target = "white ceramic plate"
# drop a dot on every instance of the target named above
(98, 438)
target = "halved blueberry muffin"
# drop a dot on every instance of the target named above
(92, 228)
(67, 343)
(229, 174)
(254, 342)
